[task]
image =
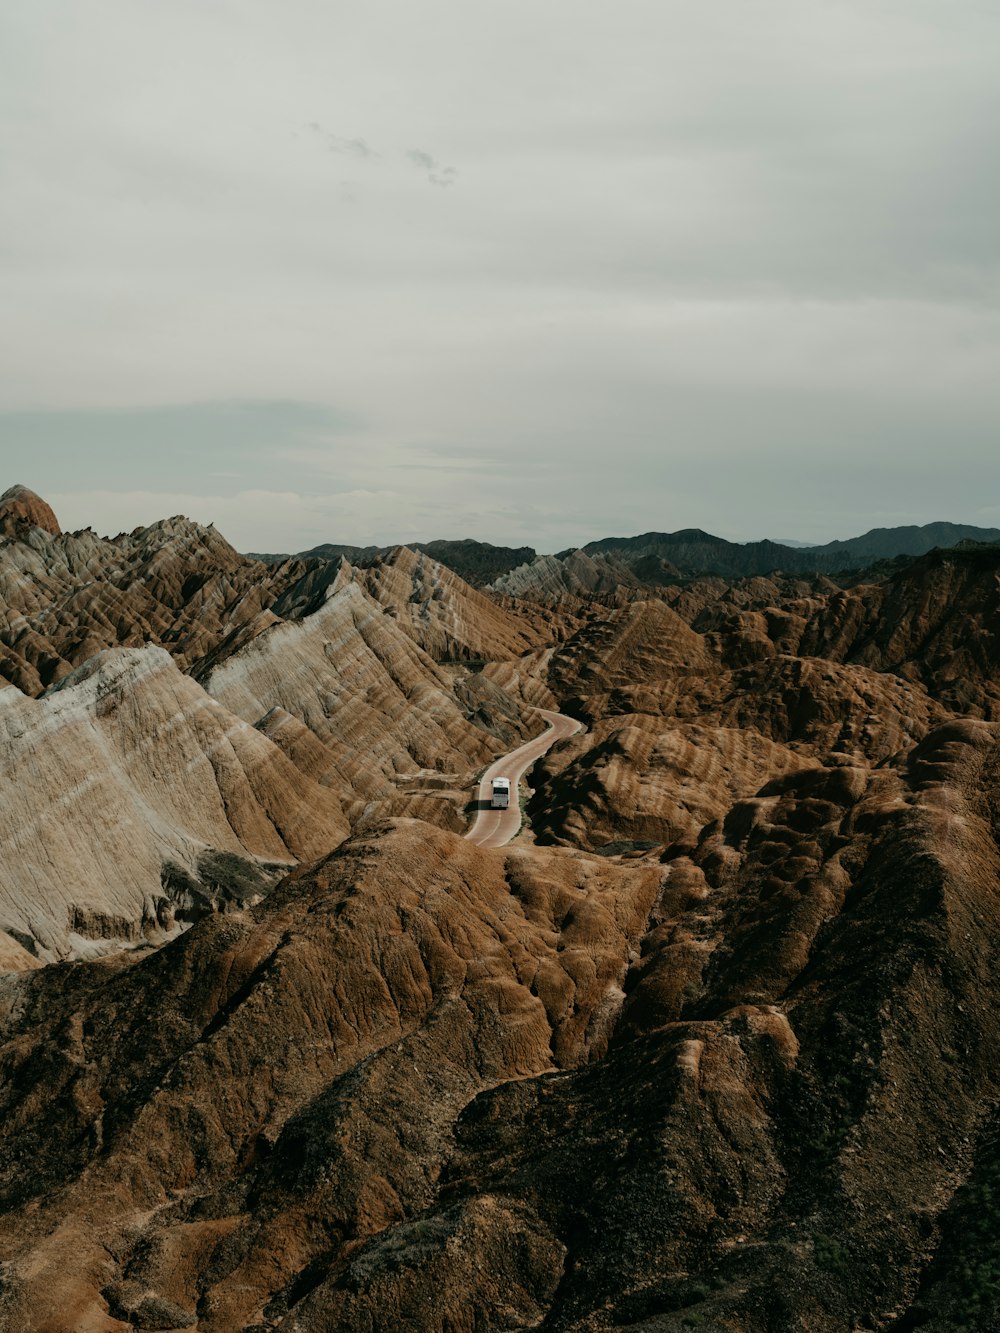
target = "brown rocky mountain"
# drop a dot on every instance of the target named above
(360, 685)
(123, 788)
(66, 596)
(21, 510)
(133, 778)
(443, 614)
(710, 1045)
(550, 577)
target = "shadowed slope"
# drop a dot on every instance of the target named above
(307, 1063)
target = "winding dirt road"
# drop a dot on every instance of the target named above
(494, 828)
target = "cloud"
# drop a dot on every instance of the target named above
(336, 143)
(436, 173)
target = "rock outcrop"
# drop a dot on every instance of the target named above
(448, 619)
(117, 790)
(21, 510)
(550, 578)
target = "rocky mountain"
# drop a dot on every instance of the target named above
(66, 596)
(441, 612)
(126, 780)
(710, 1045)
(360, 685)
(549, 1088)
(655, 559)
(333, 551)
(21, 510)
(548, 578)
(885, 543)
(126, 790)
(478, 563)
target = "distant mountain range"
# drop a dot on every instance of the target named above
(658, 557)
(693, 551)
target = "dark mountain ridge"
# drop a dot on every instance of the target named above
(479, 563)
(654, 559)
(696, 552)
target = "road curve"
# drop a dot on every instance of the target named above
(494, 828)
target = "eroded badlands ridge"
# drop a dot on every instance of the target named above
(171, 701)
(711, 1046)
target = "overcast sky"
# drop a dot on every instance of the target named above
(536, 271)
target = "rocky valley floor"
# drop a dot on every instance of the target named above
(710, 1045)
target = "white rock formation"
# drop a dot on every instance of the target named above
(127, 765)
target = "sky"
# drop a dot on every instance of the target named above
(535, 272)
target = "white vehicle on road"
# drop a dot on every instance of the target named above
(497, 821)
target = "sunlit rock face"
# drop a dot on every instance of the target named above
(123, 781)
(448, 619)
